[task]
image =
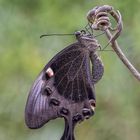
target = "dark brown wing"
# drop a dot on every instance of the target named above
(65, 93)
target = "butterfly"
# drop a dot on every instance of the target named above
(65, 86)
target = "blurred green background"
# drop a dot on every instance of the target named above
(23, 54)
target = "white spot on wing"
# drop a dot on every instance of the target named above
(50, 72)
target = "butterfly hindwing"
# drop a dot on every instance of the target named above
(37, 110)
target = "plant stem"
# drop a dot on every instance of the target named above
(121, 55)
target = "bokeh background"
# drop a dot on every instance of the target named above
(23, 54)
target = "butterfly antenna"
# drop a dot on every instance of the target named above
(55, 35)
(87, 29)
(90, 27)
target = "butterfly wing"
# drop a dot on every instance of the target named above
(62, 89)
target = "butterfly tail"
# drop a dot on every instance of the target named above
(69, 130)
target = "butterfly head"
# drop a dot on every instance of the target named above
(87, 40)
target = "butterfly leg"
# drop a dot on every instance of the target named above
(97, 67)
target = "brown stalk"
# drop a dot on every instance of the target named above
(99, 19)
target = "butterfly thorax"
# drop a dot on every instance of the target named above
(87, 41)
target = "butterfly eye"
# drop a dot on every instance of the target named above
(54, 102)
(78, 33)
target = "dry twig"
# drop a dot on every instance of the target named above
(98, 17)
